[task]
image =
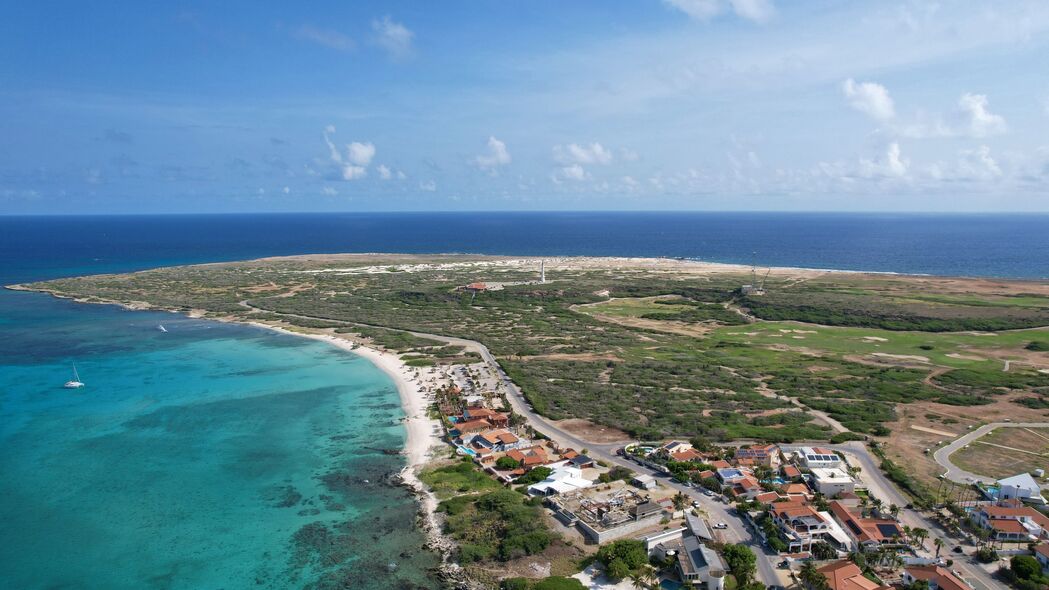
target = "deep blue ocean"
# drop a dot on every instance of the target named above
(219, 456)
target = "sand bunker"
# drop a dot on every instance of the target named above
(875, 339)
(916, 358)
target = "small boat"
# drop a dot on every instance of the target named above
(75, 383)
(162, 328)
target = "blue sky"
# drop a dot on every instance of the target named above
(124, 107)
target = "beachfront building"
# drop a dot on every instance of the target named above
(846, 575)
(1022, 487)
(563, 479)
(497, 441)
(937, 577)
(1012, 524)
(832, 481)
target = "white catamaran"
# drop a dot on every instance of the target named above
(76, 383)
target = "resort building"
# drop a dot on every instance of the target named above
(867, 533)
(817, 457)
(496, 419)
(831, 481)
(937, 577)
(846, 575)
(1012, 524)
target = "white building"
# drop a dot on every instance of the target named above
(1021, 486)
(562, 479)
(819, 458)
(831, 482)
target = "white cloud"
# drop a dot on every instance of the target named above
(428, 186)
(384, 172)
(573, 172)
(286, 190)
(329, 191)
(890, 165)
(394, 37)
(324, 37)
(496, 156)
(573, 153)
(977, 120)
(978, 164)
(697, 9)
(757, 11)
(359, 153)
(401, 175)
(351, 172)
(869, 98)
(354, 165)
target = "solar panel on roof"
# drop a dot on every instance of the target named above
(888, 530)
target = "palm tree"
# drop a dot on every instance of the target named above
(808, 573)
(939, 545)
(919, 535)
(680, 501)
(894, 510)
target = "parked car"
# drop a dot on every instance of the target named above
(708, 493)
(721, 526)
(958, 549)
(783, 564)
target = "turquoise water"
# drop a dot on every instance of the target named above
(210, 456)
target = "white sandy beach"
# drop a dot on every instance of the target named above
(423, 432)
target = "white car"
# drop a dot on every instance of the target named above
(721, 526)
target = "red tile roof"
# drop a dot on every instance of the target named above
(845, 575)
(944, 579)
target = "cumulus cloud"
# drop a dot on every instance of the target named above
(573, 153)
(978, 164)
(324, 37)
(869, 98)
(329, 191)
(394, 37)
(976, 119)
(496, 156)
(354, 165)
(359, 153)
(384, 172)
(428, 186)
(573, 172)
(891, 164)
(757, 11)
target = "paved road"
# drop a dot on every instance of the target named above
(716, 510)
(879, 485)
(959, 475)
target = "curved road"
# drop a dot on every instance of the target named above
(959, 475)
(737, 532)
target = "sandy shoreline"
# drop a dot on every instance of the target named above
(423, 432)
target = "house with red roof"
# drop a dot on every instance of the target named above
(767, 455)
(938, 578)
(866, 532)
(1016, 524)
(800, 523)
(846, 575)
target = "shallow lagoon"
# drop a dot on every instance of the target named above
(210, 456)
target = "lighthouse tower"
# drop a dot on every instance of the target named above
(542, 271)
